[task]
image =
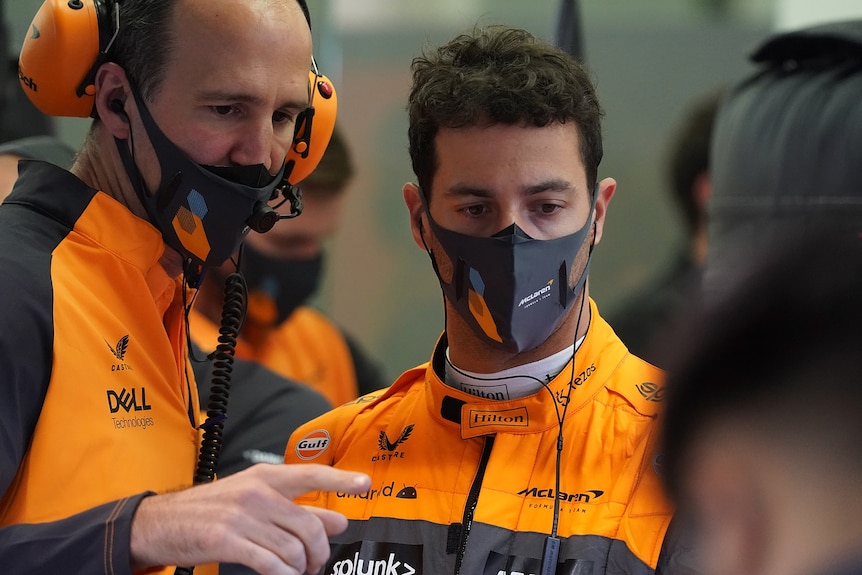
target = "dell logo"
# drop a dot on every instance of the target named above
(128, 400)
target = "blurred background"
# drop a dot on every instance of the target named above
(649, 58)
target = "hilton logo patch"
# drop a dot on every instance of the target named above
(313, 444)
(515, 417)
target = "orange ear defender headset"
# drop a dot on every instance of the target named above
(69, 40)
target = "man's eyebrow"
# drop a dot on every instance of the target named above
(549, 186)
(464, 190)
(243, 97)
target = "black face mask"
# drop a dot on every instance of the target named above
(511, 289)
(276, 287)
(201, 211)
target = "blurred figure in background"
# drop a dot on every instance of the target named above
(283, 268)
(761, 431)
(645, 312)
(45, 148)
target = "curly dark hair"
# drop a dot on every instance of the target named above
(499, 75)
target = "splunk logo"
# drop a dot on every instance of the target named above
(136, 400)
(584, 497)
(370, 558)
(536, 295)
(357, 566)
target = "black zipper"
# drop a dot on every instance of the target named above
(472, 499)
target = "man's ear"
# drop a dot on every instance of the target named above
(417, 212)
(606, 190)
(113, 96)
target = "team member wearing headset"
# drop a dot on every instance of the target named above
(283, 268)
(526, 444)
(196, 104)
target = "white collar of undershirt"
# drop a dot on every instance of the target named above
(512, 383)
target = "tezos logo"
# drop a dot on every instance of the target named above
(128, 400)
(313, 444)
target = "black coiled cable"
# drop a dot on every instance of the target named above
(233, 314)
(233, 311)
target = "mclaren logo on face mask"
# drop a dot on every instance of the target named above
(536, 296)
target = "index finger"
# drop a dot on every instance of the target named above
(293, 480)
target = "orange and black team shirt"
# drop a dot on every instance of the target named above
(465, 484)
(96, 410)
(307, 347)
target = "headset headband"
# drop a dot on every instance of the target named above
(69, 40)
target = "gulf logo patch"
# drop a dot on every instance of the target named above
(313, 444)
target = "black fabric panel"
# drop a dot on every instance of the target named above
(263, 409)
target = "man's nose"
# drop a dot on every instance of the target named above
(258, 145)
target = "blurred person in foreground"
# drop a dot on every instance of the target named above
(526, 444)
(762, 426)
(283, 269)
(762, 431)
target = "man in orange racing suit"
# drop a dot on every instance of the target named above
(527, 443)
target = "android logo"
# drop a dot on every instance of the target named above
(408, 492)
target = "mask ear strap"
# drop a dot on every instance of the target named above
(595, 196)
(422, 226)
(460, 265)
